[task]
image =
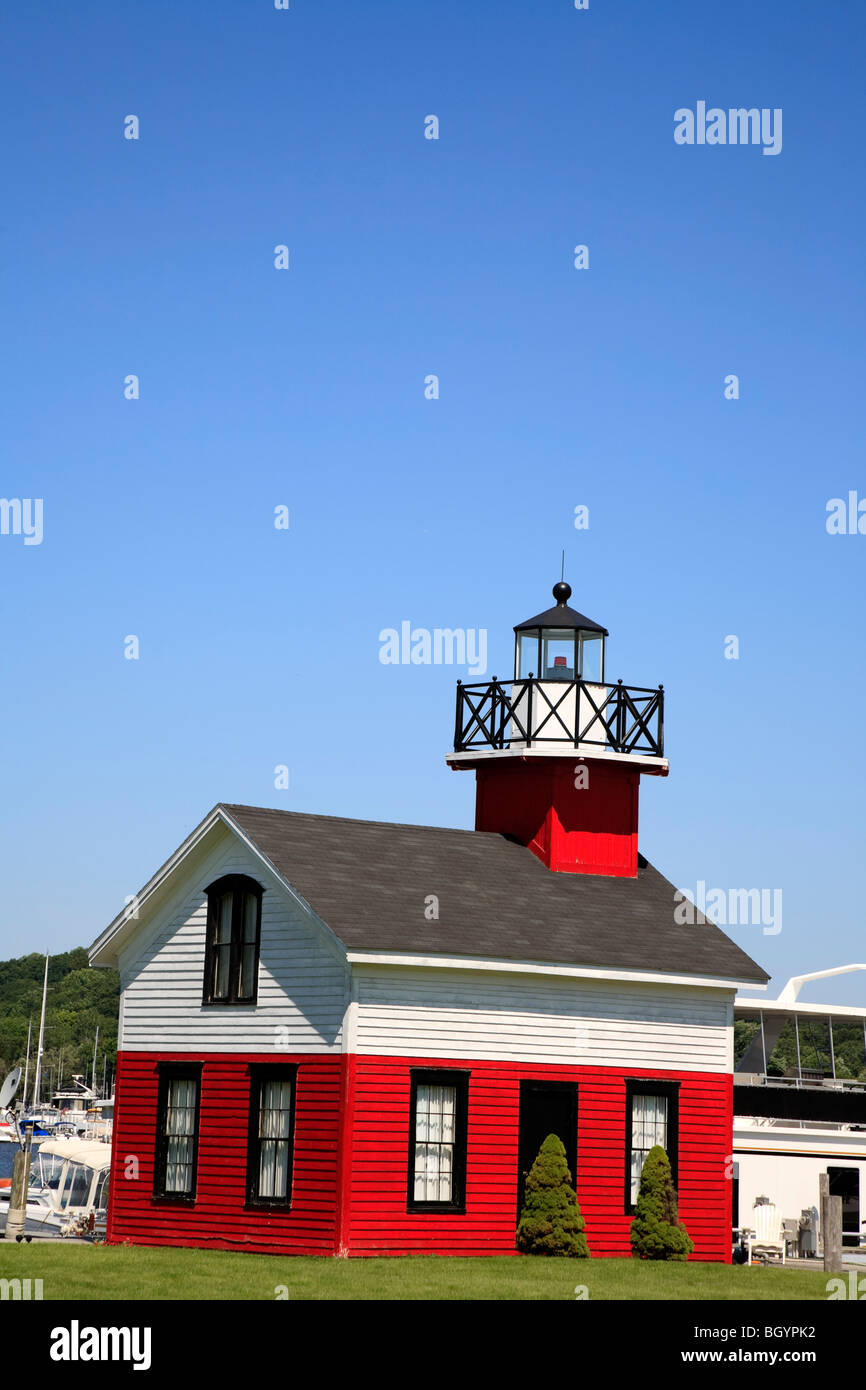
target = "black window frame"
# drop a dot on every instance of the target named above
(637, 1086)
(168, 1072)
(441, 1076)
(260, 1072)
(239, 885)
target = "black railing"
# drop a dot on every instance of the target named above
(533, 712)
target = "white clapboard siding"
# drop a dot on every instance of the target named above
(435, 1013)
(303, 981)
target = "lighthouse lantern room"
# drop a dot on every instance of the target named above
(558, 753)
(559, 644)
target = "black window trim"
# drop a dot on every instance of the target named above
(239, 884)
(638, 1086)
(166, 1072)
(441, 1076)
(259, 1072)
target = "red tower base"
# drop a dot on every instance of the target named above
(578, 815)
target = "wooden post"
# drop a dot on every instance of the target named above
(833, 1237)
(17, 1214)
(831, 1226)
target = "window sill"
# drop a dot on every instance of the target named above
(431, 1208)
(229, 1003)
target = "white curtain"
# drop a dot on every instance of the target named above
(435, 1114)
(180, 1132)
(649, 1126)
(275, 1113)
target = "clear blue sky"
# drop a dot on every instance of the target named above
(305, 388)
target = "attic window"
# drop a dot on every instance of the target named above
(234, 918)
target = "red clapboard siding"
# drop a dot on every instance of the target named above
(375, 1217)
(351, 1157)
(218, 1219)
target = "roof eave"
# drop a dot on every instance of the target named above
(443, 962)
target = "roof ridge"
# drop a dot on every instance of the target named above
(356, 820)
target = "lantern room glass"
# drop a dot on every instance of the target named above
(526, 655)
(557, 654)
(591, 657)
(549, 654)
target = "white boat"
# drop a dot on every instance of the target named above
(68, 1190)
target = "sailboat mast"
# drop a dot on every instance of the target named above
(27, 1063)
(95, 1045)
(38, 1078)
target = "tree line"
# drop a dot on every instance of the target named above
(849, 1047)
(80, 1000)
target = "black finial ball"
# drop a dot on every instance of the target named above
(562, 592)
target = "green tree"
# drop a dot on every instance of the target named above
(79, 1000)
(551, 1223)
(656, 1231)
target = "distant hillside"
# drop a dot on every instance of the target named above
(79, 1000)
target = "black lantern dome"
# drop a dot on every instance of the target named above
(560, 644)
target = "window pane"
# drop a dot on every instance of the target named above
(224, 918)
(76, 1187)
(275, 1112)
(435, 1136)
(222, 945)
(101, 1200)
(275, 1115)
(557, 654)
(251, 913)
(181, 1096)
(248, 973)
(274, 1168)
(422, 1112)
(649, 1126)
(590, 658)
(527, 654)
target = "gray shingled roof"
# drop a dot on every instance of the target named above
(368, 881)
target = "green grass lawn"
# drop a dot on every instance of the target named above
(127, 1272)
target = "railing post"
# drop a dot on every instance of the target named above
(458, 727)
(530, 711)
(661, 739)
(620, 716)
(577, 688)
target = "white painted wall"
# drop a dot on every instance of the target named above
(311, 1000)
(507, 1017)
(303, 979)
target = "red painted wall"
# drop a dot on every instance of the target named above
(379, 1223)
(589, 829)
(351, 1157)
(218, 1219)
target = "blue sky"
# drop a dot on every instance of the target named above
(305, 388)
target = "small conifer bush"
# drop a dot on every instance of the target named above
(656, 1231)
(551, 1223)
